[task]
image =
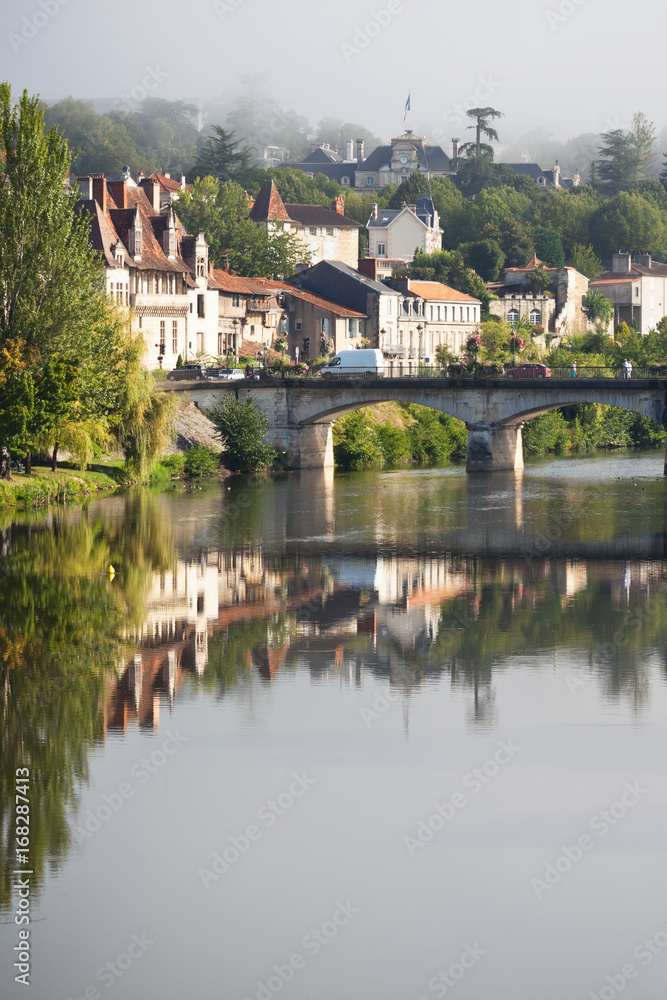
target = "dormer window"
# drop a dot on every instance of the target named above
(201, 267)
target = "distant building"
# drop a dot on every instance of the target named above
(326, 233)
(392, 164)
(250, 313)
(545, 178)
(396, 233)
(637, 285)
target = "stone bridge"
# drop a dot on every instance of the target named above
(302, 411)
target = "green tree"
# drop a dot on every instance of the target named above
(642, 134)
(485, 257)
(598, 306)
(630, 222)
(482, 118)
(409, 190)
(583, 258)
(513, 240)
(242, 427)
(548, 245)
(619, 161)
(222, 156)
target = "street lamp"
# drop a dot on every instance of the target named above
(235, 336)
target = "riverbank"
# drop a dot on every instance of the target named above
(44, 486)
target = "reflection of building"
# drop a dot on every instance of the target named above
(404, 618)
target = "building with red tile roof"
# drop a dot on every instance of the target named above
(326, 233)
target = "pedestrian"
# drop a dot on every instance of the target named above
(627, 369)
(573, 370)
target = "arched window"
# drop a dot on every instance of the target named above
(513, 316)
(535, 317)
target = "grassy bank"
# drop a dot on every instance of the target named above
(67, 484)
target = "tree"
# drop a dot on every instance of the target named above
(49, 275)
(409, 190)
(583, 258)
(449, 268)
(642, 134)
(619, 162)
(630, 222)
(221, 156)
(242, 427)
(482, 127)
(485, 257)
(513, 240)
(548, 245)
(598, 306)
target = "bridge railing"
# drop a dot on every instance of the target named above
(457, 371)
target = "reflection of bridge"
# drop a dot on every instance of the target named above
(302, 412)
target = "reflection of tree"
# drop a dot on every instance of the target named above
(62, 623)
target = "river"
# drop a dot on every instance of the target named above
(393, 734)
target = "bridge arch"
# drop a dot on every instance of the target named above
(302, 413)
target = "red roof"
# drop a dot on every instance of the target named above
(317, 300)
(269, 205)
(435, 290)
(226, 282)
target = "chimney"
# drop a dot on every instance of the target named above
(644, 259)
(167, 175)
(152, 189)
(118, 191)
(100, 190)
(338, 205)
(360, 152)
(349, 149)
(455, 150)
(85, 188)
(374, 210)
(621, 263)
(182, 182)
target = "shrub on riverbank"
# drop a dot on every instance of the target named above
(44, 487)
(242, 427)
(200, 461)
(411, 434)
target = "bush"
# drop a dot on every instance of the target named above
(200, 461)
(356, 442)
(394, 443)
(242, 427)
(173, 464)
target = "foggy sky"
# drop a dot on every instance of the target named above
(568, 66)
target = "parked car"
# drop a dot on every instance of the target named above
(351, 363)
(532, 370)
(191, 373)
(228, 374)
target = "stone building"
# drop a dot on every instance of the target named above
(326, 233)
(560, 312)
(152, 267)
(250, 313)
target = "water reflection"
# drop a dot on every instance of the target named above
(408, 580)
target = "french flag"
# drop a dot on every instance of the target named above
(407, 108)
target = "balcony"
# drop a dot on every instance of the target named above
(149, 304)
(394, 350)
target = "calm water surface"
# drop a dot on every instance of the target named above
(384, 735)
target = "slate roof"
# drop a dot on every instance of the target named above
(102, 235)
(428, 157)
(319, 215)
(334, 171)
(320, 155)
(424, 211)
(340, 283)
(638, 271)
(533, 170)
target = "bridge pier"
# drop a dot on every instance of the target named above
(494, 447)
(311, 446)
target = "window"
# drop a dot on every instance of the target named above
(535, 316)
(444, 310)
(330, 231)
(345, 181)
(200, 306)
(201, 267)
(174, 336)
(297, 325)
(467, 314)
(335, 231)
(163, 336)
(352, 327)
(513, 316)
(369, 182)
(325, 326)
(200, 342)
(382, 250)
(636, 291)
(236, 300)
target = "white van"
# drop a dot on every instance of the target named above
(347, 364)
